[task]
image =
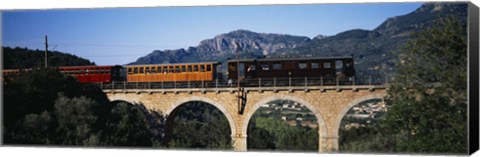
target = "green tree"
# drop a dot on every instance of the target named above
(259, 138)
(21, 58)
(429, 93)
(192, 127)
(35, 129)
(282, 135)
(127, 126)
(75, 120)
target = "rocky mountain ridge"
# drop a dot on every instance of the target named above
(373, 50)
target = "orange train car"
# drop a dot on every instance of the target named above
(182, 72)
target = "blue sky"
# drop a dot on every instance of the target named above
(121, 35)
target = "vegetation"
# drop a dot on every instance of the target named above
(192, 127)
(43, 106)
(23, 58)
(428, 97)
(269, 133)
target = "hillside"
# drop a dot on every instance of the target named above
(19, 58)
(222, 47)
(375, 50)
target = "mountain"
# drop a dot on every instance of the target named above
(21, 58)
(223, 46)
(374, 50)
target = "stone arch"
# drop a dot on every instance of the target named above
(120, 101)
(122, 97)
(217, 105)
(345, 109)
(322, 128)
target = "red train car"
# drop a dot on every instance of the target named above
(93, 74)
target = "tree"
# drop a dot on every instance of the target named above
(270, 133)
(192, 127)
(75, 120)
(127, 126)
(259, 138)
(428, 97)
(43, 106)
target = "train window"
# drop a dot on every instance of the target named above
(209, 67)
(265, 66)
(195, 68)
(251, 67)
(202, 68)
(153, 70)
(147, 70)
(184, 69)
(327, 65)
(170, 69)
(177, 69)
(160, 69)
(314, 65)
(164, 69)
(338, 64)
(348, 64)
(231, 67)
(277, 66)
(189, 68)
(135, 70)
(302, 65)
(142, 70)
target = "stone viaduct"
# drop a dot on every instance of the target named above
(328, 103)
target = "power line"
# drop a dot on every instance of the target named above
(119, 45)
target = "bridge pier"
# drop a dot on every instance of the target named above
(239, 142)
(330, 144)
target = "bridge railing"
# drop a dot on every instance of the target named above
(257, 82)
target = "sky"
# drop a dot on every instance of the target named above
(117, 36)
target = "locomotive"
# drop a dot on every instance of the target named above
(326, 68)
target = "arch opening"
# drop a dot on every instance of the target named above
(360, 119)
(198, 124)
(284, 123)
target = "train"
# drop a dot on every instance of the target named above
(327, 68)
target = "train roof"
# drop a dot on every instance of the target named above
(87, 66)
(291, 59)
(167, 64)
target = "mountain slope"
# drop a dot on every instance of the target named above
(374, 50)
(221, 47)
(19, 58)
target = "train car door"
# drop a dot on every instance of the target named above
(339, 68)
(251, 71)
(241, 70)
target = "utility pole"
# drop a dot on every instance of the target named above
(46, 51)
(239, 95)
